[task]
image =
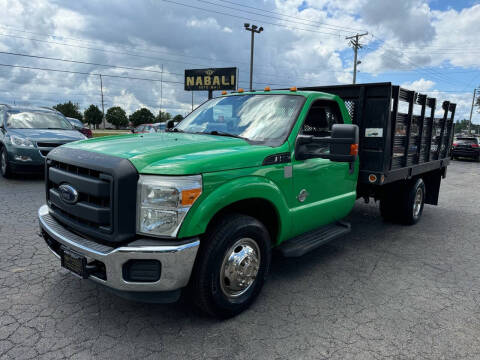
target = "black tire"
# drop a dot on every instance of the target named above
(4, 165)
(397, 205)
(207, 288)
(410, 214)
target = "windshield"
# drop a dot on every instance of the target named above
(466, 141)
(260, 118)
(75, 122)
(37, 120)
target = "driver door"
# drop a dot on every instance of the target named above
(324, 190)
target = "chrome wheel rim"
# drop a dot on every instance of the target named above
(417, 204)
(4, 162)
(240, 268)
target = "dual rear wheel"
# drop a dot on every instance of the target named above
(405, 203)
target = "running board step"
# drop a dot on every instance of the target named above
(302, 244)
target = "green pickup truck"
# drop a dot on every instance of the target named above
(199, 208)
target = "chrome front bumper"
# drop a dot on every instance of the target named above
(176, 258)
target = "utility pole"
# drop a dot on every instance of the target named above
(471, 111)
(354, 41)
(161, 91)
(103, 105)
(253, 29)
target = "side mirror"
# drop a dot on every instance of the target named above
(170, 124)
(343, 144)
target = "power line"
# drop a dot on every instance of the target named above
(89, 74)
(294, 17)
(432, 72)
(110, 46)
(84, 62)
(249, 19)
(269, 16)
(114, 76)
(130, 54)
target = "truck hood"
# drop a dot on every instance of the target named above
(179, 153)
(47, 135)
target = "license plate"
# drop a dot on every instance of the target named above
(74, 262)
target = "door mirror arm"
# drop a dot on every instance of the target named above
(343, 145)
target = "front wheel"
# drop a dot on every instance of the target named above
(231, 266)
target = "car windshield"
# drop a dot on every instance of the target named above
(75, 122)
(260, 118)
(37, 120)
(467, 141)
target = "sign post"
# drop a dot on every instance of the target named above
(211, 79)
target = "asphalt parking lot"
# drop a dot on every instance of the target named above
(384, 291)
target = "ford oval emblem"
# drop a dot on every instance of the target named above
(68, 193)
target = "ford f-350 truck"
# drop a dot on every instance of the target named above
(199, 209)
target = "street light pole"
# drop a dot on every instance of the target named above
(253, 29)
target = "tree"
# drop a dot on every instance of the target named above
(141, 116)
(69, 109)
(461, 126)
(93, 115)
(178, 118)
(163, 116)
(116, 116)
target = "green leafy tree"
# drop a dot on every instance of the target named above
(69, 109)
(163, 116)
(116, 116)
(461, 126)
(93, 115)
(178, 117)
(141, 116)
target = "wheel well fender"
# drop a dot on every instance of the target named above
(252, 195)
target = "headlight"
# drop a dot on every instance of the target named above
(19, 141)
(163, 202)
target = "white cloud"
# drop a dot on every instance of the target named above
(419, 85)
(156, 33)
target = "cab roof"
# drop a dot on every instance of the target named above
(303, 93)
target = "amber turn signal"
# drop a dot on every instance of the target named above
(354, 149)
(189, 196)
(267, 88)
(240, 90)
(224, 92)
(293, 88)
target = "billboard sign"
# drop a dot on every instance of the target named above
(211, 79)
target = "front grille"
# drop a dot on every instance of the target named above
(93, 208)
(105, 209)
(48, 145)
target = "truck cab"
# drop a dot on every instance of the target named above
(199, 208)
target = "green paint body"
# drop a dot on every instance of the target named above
(232, 171)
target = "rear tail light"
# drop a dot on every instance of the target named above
(475, 146)
(455, 144)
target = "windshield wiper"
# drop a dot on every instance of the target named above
(222, 133)
(174, 130)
